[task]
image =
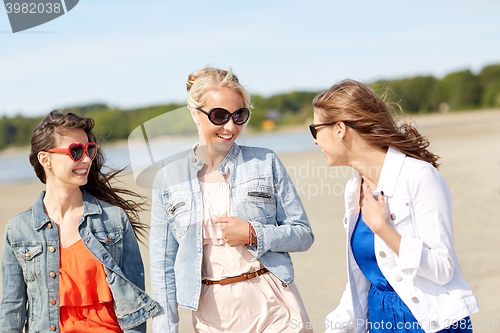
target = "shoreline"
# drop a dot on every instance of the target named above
(424, 119)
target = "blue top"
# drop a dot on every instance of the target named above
(384, 304)
(363, 248)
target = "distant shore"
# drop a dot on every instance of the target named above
(468, 143)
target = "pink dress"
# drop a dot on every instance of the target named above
(257, 305)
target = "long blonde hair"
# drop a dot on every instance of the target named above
(358, 105)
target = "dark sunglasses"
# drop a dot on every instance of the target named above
(314, 131)
(76, 150)
(220, 116)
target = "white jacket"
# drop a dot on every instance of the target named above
(426, 275)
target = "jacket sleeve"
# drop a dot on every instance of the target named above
(341, 320)
(292, 231)
(163, 249)
(14, 294)
(132, 264)
(429, 254)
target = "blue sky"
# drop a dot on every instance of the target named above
(139, 53)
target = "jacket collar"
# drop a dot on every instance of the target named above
(90, 206)
(393, 164)
(223, 167)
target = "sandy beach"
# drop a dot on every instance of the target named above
(468, 143)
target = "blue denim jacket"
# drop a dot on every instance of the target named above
(31, 256)
(262, 193)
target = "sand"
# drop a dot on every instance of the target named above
(469, 146)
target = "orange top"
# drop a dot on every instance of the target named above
(85, 300)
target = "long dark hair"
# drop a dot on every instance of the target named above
(98, 183)
(358, 105)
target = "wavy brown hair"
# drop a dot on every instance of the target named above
(358, 105)
(45, 137)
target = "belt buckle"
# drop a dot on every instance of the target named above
(249, 275)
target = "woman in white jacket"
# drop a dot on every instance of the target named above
(403, 272)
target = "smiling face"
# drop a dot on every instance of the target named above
(60, 169)
(220, 137)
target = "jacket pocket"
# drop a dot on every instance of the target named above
(260, 203)
(109, 237)
(400, 217)
(29, 259)
(179, 214)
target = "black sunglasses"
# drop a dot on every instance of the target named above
(220, 116)
(314, 131)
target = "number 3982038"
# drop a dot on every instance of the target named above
(474, 324)
(33, 8)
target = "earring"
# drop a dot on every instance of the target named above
(338, 139)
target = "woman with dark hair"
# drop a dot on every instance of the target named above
(403, 271)
(71, 263)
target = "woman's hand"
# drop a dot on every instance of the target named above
(234, 230)
(375, 217)
(374, 212)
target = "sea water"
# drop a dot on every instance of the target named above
(15, 167)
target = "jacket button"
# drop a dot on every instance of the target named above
(193, 160)
(109, 239)
(28, 254)
(434, 324)
(407, 203)
(49, 225)
(345, 220)
(398, 278)
(393, 216)
(52, 327)
(52, 274)
(52, 249)
(53, 302)
(414, 300)
(382, 254)
(199, 164)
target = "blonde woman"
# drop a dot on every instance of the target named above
(223, 222)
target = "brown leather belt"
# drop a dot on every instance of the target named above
(242, 277)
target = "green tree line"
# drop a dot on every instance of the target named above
(456, 91)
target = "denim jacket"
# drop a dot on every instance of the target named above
(31, 257)
(262, 193)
